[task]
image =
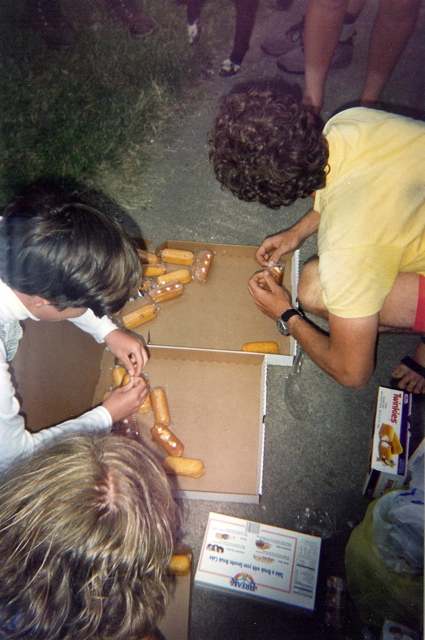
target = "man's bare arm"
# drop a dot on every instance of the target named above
(347, 353)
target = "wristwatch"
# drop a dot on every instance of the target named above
(281, 322)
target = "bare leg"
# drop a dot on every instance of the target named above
(396, 316)
(408, 379)
(323, 26)
(392, 28)
(399, 311)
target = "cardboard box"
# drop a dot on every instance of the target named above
(216, 392)
(175, 624)
(217, 406)
(390, 442)
(219, 314)
(259, 561)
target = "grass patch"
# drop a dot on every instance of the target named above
(77, 112)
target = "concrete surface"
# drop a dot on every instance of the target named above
(321, 459)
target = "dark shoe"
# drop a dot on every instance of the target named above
(129, 11)
(228, 69)
(278, 45)
(46, 17)
(293, 61)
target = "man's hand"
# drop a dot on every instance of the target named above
(125, 401)
(269, 297)
(288, 241)
(129, 350)
(273, 248)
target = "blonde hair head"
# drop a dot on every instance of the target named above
(87, 529)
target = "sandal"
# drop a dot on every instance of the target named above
(413, 365)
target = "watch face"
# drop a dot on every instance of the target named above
(281, 327)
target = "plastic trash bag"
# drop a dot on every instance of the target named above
(384, 557)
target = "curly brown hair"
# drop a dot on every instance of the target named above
(265, 147)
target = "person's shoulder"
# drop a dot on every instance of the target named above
(364, 116)
(359, 115)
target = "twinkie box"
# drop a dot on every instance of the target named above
(259, 561)
(390, 442)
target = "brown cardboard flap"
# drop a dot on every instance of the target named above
(55, 371)
(175, 624)
(219, 313)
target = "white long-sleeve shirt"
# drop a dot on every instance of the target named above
(15, 440)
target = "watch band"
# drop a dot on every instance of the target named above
(286, 315)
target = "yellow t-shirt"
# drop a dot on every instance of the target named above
(372, 209)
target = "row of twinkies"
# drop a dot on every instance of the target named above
(160, 282)
(156, 402)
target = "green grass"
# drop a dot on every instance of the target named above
(77, 112)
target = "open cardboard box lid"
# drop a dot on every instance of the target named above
(218, 314)
(175, 624)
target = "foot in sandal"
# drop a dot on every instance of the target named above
(410, 373)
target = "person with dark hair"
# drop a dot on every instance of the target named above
(365, 173)
(64, 260)
(87, 531)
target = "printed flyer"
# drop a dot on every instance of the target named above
(259, 561)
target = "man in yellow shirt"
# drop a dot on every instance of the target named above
(365, 171)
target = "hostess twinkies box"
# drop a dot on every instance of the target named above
(390, 442)
(259, 561)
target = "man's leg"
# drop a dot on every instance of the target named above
(405, 305)
(403, 312)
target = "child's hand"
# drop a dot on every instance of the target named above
(124, 401)
(129, 350)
